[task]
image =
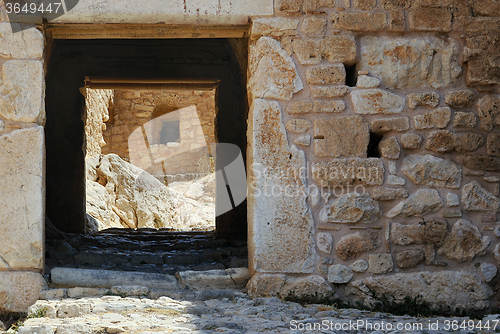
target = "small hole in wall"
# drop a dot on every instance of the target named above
(351, 75)
(373, 151)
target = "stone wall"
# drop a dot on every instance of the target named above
(374, 150)
(135, 111)
(97, 105)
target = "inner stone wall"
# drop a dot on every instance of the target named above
(374, 150)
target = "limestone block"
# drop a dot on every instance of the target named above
(482, 162)
(365, 81)
(486, 7)
(304, 140)
(396, 4)
(22, 90)
(376, 101)
(22, 205)
(326, 74)
(380, 263)
(273, 72)
(409, 258)
(464, 120)
(365, 4)
(394, 180)
(288, 216)
(432, 171)
(19, 290)
(351, 245)
(390, 124)
(493, 144)
(340, 49)
(411, 62)
(324, 241)
(314, 26)
(298, 125)
(489, 271)
(396, 21)
(232, 278)
(305, 287)
(289, 6)
(359, 21)
(444, 141)
(339, 274)
(460, 99)
(359, 266)
(411, 140)
(274, 26)
(388, 194)
(310, 106)
(346, 136)
(457, 289)
(422, 202)
(25, 44)
(476, 198)
(430, 19)
(428, 99)
(488, 111)
(426, 232)
(438, 118)
(308, 51)
(351, 208)
(328, 92)
(389, 148)
(464, 242)
(265, 285)
(343, 172)
(452, 199)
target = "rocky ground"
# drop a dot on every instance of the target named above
(221, 311)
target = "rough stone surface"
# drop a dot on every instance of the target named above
(464, 242)
(432, 171)
(359, 266)
(22, 90)
(394, 180)
(464, 120)
(308, 51)
(286, 216)
(351, 245)
(452, 199)
(445, 141)
(489, 271)
(25, 44)
(309, 106)
(380, 263)
(359, 21)
(456, 289)
(19, 290)
(410, 62)
(422, 202)
(328, 92)
(430, 19)
(390, 124)
(314, 26)
(298, 125)
(435, 119)
(268, 62)
(488, 111)
(22, 211)
(476, 198)
(339, 274)
(274, 26)
(409, 258)
(340, 49)
(304, 140)
(426, 232)
(389, 148)
(429, 99)
(411, 140)
(493, 144)
(388, 194)
(351, 208)
(306, 286)
(354, 171)
(265, 285)
(324, 241)
(232, 278)
(326, 74)
(376, 101)
(460, 99)
(365, 81)
(482, 162)
(336, 137)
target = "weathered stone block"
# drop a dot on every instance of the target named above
(460, 99)
(493, 144)
(309, 106)
(389, 148)
(438, 118)
(432, 171)
(359, 266)
(429, 99)
(365, 4)
(340, 49)
(308, 51)
(444, 141)
(426, 232)
(273, 72)
(409, 62)
(486, 7)
(341, 137)
(298, 125)
(452, 199)
(482, 162)
(464, 242)
(476, 198)
(339, 274)
(326, 74)
(288, 5)
(380, 263)
(328, 92)
(274, 26)
(422, 202)
(388, 194)
(430, 19)
(376, 101)
(396, 4)
(396, 21)
(411, 140)
(287, 216)
(365, 81)
(359, 21)
(489, 271)
(343, 172)
(464, 120)
(265, 285)
(351, 245)
(314, 26)
(409, 258)
(22, 211)
(324, 241)
(302, 287)
(19, 290)
(394, 180)
(22, 90)
(351, 208)
(25, 44)
(488, 110)
(390, 124)
(304, 140)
